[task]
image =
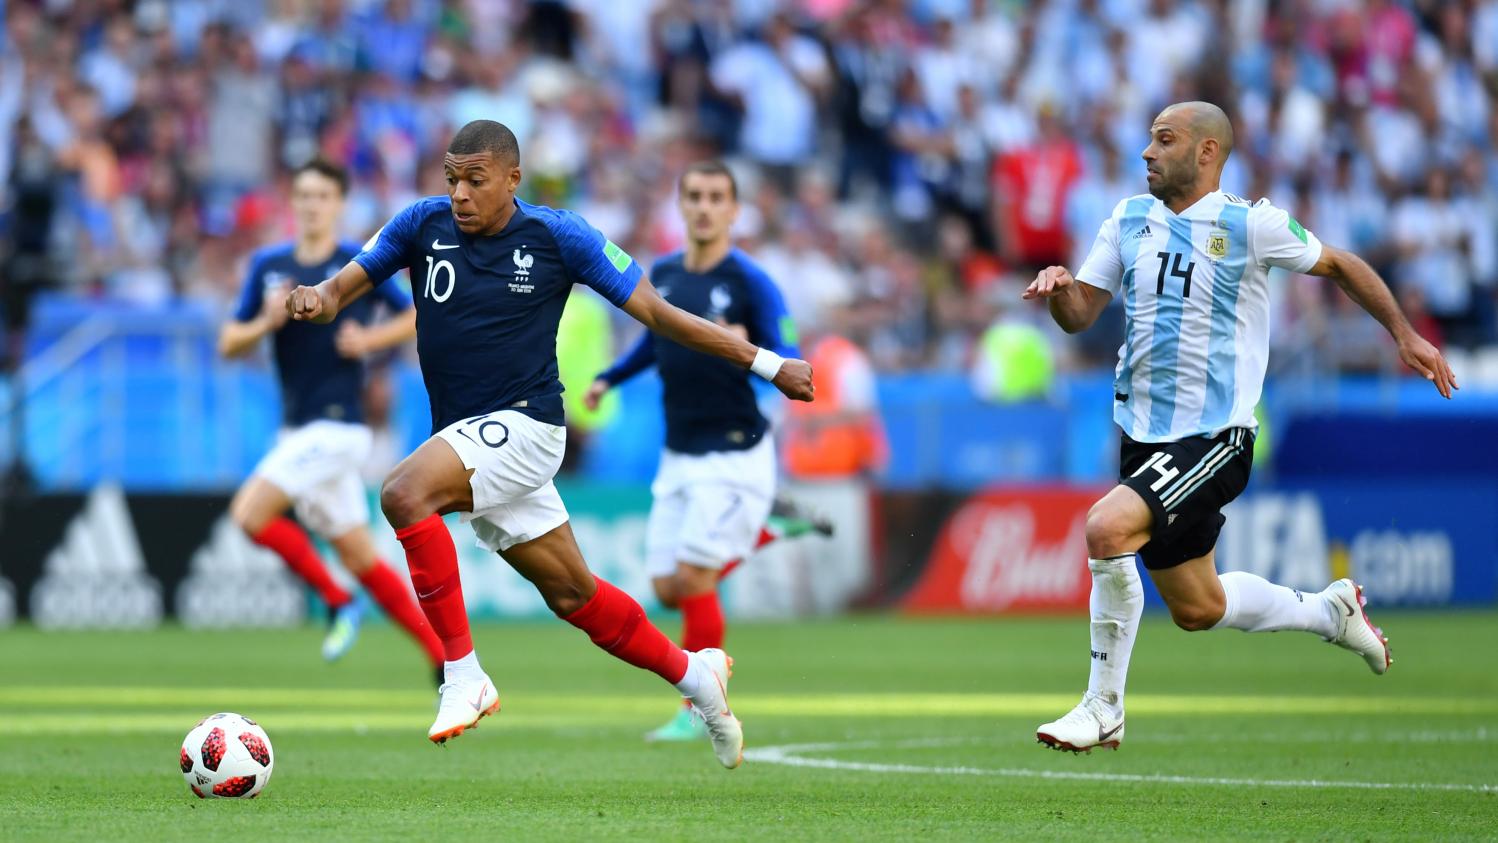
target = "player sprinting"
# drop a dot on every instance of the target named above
(1191, 263)
(315, 463)
(713, 493)
(496, 273)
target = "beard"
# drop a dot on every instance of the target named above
(1173, 182)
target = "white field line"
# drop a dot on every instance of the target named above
(1481, 734)
(792, 755)
(55, 697)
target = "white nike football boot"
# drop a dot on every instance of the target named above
(1091, 725)
(1354, 631)
(464, 703)
(711, 701)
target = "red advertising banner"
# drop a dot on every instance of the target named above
(1007, 551)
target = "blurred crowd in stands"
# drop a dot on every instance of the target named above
(906, 164)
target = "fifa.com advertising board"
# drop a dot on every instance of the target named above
(1024, 550)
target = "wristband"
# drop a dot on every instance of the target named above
(766, 364)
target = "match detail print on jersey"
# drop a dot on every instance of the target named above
(1196, 307)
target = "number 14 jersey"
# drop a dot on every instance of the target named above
(1196, 308)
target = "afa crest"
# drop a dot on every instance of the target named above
(1217, 245)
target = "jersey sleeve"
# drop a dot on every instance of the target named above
(394, 296)
(640, 357)
(386, 252)
(252, 292)
(1103, 267)
(770, 324)
(594, 260)
(1278, 240)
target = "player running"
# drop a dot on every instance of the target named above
(714, 489)
(1192, 265)
(496, 276)
(314, 465)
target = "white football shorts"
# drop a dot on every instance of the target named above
(513, 458)
(708, 508)
(317, 466)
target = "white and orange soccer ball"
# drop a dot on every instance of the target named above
(226, 755)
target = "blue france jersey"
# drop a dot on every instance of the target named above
(316, 382)
(710, 403)
(487, 307)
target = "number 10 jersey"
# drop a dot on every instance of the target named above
(1196, 307)
(488, 306)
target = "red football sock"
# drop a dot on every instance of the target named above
(701, 621)
(386, 587)
(290, 542)
(434, 572)
(765, 537)
(616, 623)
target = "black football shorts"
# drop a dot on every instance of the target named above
(1186, 484)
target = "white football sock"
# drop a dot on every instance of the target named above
(1115, 605)
(465, 669)
(1255, 604)
(693, 679)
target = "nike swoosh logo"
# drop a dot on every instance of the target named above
(439, 245)
(724, 691)
(1102, 735)
(1346, 606)
(429, 595)
(478, 701)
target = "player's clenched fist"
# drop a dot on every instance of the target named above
(1050, 281)
(594, 396)
(794, 380)
(305, 304)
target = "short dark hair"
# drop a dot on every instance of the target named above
(482, 136)
(327, 169)
(710, 167)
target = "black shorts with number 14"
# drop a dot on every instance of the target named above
(1186, 484)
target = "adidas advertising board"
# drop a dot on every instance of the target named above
(112, 560)
(96, 576)
(229, 564)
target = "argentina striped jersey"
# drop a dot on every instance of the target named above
(1196, 306)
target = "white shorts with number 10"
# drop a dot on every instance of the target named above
(708, 508)
(513, 458)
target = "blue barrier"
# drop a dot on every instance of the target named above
(153, 408)
(1418, 444)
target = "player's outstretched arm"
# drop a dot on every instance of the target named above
(1362, 285)
(321, 303)
(640, 357)
(791, 377)
(355, 340)
(238, 336)
(1074, 306)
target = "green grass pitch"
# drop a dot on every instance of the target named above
(862, 728)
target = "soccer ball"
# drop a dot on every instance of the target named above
(226, 755)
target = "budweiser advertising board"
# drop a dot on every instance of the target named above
(1009, 550)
